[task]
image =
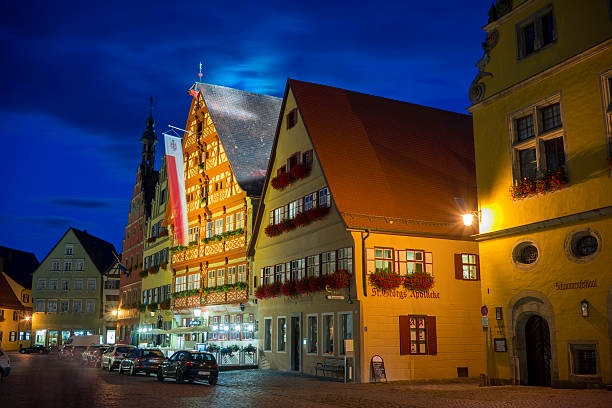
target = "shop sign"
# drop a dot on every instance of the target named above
(500, 345)
(406, 294)
(378, 368)
(195, 323)
(582, 284)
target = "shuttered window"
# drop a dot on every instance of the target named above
(467, 267)
(418, 335)
(292, 118)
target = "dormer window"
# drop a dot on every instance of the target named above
(292, 118)
(536, 32)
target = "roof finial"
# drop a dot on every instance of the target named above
(200, 73)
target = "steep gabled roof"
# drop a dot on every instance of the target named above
(100, 251)
(245, 123)
(19, 265)
(8, 298)
(389, 164)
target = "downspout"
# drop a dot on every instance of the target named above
(363, 262)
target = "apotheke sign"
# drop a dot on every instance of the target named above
(405, 294)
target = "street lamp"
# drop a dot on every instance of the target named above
(468, 218)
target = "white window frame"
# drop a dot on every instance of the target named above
(220, 276)
(229, 223)
(219, 226)
(231, 275)
(41, 284)
(53, 303)
(61, 306)
(308, 352)
(240, 220)
(266, 333)
(67, 282)
(241, 273)
(89, 285)
(210, 229)
(91, 303)
(38, 305)
(537, 141)
(69, 249)
(53, 284)
(80, 282)
(67, 264)
(56, 265)
(212, 278)
(79, 264)
(278, 318)
(77, 306)
(180, 283)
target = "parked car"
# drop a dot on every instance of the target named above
(113, 356)
(64, 352)
(34, 349)
(76, 352)
(142, 360)
(5, 364)
(96, 358)
(90, 352)
(190, 365)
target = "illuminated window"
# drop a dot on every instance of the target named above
(345, 259)
(240, 220)
(212, 280)
(219, 226)
(467, 267)
(312, 266)
(221, 277)
(231, 275)
(328, 262)
(242, 273)
(384, 259)
(279, 273)
(229, 223)
(180, 283)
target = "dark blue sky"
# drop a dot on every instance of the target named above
(77, 76)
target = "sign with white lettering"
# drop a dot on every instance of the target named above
(378, 368)
(485, 321)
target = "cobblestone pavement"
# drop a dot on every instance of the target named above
(44, 382)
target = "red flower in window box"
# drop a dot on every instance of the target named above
(272, 230)
(338, 280)
(299, 171)
(289, 288)
(385, 279)
(259, 292)
(551, 181)
(303, 286)
(419, 281)
(316, 283)
(281, 181)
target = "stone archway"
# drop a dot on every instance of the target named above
(521, 308)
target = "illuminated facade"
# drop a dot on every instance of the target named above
(542, 128)
(362, 196)
(226, 153)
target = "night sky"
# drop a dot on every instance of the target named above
(77, 77)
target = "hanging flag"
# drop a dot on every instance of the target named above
(176, 181)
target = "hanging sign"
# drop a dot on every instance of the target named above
(378, 368)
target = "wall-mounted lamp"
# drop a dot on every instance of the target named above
(197, 312)
(468, 218)
(584, 308)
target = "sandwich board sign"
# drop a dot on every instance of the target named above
(378, 368)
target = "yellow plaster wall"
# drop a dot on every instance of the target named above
(579, 24)
(460, 339)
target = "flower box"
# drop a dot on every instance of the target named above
(528, 187)
(311, 284)
(284, 179)
(385, 279)
(300, 220)
(418, 281)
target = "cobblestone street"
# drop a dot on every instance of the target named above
(43, 381)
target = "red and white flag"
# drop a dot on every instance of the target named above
(176, 181)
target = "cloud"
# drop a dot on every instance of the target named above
(79, 202)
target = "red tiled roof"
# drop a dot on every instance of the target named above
(8, 299)
(390, 164)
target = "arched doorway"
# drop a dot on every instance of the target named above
(537, 345)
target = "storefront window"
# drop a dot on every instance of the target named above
(346, 330)
(268, 334)
(328, 333)
(312, 335)
(282, 333)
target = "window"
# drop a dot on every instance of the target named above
(279, 273)
(282, 334)
(583, 359)
(162, 196)
(467, 267)
(292, 118)
(538, 140)
(345, 259)
(25, 298)
(231, 275)
(193, 281)
(78, 284)
(209, 229)
(229, 223)
(91, 284)
(415, 260)
(606, 93)
(78, 264)
(220, 276)
(15, 315)
(525, 254)
(40, 305)
(55, 265)
(77, 306)
(212, 280)
(267, 275)
(328, 262)
(90, 306)
(52, 306)
(13, 336)
(219, 226)
(65, 284)
(310, 201)
(324, 197)
(346, 330)
(68, 264)
(42, 284)
(328, 333)
(268, 334)
(535, 32)
(180, 283)
(418, 335)
(69, 249)
(313, 346)
(384, 258)
(64, 306)
(242, 273)
(52, 284)
(307, 159)
(296, 271)
(240, 220)
(295, 207)
(312, 265)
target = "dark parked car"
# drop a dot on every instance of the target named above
(90, 353)
(34, 349)
(142, 361)
(190, 365)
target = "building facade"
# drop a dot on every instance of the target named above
(68, 292)
(16, 269)
(359, 206)
(133, 243)
(226, 153)
(542, 130)
(157, 282)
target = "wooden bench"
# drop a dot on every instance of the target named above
(331, 365)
